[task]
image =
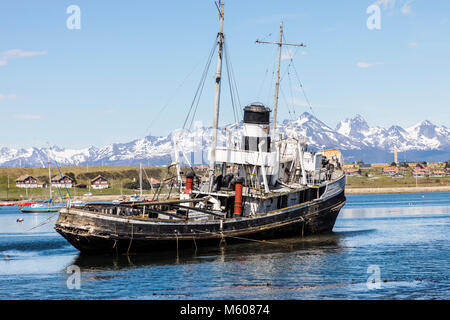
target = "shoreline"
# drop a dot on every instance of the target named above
(397, 190)
(348, 191)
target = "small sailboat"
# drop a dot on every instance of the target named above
(136, 198)
(6, 204)
(31, 202)
(40, 207)
(43, 205)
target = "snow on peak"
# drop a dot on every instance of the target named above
(349, 134)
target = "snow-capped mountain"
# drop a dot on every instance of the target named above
(422, 136)
(354, 137)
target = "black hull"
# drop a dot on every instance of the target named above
(94, 233)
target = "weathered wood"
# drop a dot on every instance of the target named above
(197, 209)
(165, 202)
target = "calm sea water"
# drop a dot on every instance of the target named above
(401, 239)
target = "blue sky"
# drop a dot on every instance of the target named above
(109, 80)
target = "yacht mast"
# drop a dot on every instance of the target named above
(277, 83)
(220, 36)
(49, 175)
(140, 179)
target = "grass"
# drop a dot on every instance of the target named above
(117, 177)
(120, 176)
(373, 178)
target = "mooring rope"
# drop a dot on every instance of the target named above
(43, 222)
(195, 243)
(248, 239)
(131, 240)
(176, 236)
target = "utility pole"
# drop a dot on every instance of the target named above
(277, 83)
(220, 35)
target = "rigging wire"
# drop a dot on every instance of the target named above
(235, 87)
(170, 99)
(303, 90)
(287, 104)
(199, 90)
(292, 93)
(291, 63)
(230, 84)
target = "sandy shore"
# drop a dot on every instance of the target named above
(396, 190)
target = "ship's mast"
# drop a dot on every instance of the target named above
(277, 83)
(217, 96)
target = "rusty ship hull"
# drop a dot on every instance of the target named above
(91, 232)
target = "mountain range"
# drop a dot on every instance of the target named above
(357, 140)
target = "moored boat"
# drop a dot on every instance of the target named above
(265, 186)
(7, 204)
(40, 208)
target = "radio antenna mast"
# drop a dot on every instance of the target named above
(277, 84)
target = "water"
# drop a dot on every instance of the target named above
(403, 236)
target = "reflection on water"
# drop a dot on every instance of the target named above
(308, 245)
(405, 235)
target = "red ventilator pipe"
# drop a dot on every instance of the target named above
(189, 180)
(238, 197)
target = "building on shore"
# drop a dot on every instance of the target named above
(26, 181)
(419, 172)
(201, 168)
(390, 171)
(62, 181)
(99, 182)
(41, 184)
(379, 165)
(438, 173)
(352, 172)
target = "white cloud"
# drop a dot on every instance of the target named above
(412, 44)
(7, 96)
(406, 8)
(297, 102)
(390, 4)
(385, 3)
(27, 116)
(17, 53)
(108, 111)
(364, 64)
(287, 54)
